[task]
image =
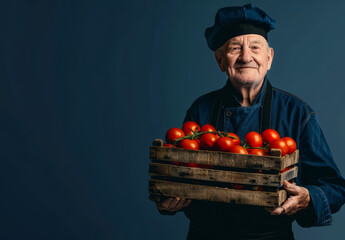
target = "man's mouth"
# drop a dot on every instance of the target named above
(241, 67)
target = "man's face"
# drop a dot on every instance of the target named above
(246, 59)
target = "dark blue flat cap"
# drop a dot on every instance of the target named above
(235, 21)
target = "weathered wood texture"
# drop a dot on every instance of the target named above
(224, 159)
(159, 188)
(161, 166)
(272, 180)
(157, 143)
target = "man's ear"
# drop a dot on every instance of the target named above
(270, 58)
(219, 59)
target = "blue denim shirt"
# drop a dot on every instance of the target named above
(292, 117)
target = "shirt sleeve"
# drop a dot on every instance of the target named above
(320, 175)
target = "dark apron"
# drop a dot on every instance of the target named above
(213, 221)
(225, 97)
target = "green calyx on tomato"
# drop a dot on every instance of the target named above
(190, 128)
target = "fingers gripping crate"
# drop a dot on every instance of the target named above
(220, 176)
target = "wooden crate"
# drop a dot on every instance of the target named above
(216, 184)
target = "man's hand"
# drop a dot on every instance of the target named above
(173, 204)
(298, 200)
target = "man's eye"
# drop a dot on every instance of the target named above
(255, 47)
(235, 49)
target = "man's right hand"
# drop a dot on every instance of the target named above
(173, 204)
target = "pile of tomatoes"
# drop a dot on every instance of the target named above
(194, 137)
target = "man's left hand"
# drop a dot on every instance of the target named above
(298, 200)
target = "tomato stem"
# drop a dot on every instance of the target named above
(247, 146)
(262, 148)
(195, 134)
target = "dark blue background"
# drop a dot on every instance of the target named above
(85, 86)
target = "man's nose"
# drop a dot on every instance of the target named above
(245, 55)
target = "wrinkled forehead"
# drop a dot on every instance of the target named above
(247, 39)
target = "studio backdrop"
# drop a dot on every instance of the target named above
(85, 86)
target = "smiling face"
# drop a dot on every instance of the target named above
(246, 59)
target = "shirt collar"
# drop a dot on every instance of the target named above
(238, 97)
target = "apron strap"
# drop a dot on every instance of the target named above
(217, 106)
(266, 107)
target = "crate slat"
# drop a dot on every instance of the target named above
(271, 180)
(159, 188)
(224, 159)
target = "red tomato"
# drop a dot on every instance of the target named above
(224, 144)
(267, 152)
(254, 139)
(255, 151)
(285, 169)
(291, 144)
(189, 127)
(238, 149)
(205, 166)
(237, 186)
(189, 144)
(172, 134)
(279, 144)
(192, 165)
(168, 145)
(207, 128)
(270, 135)
(236, 141)
(207, 140)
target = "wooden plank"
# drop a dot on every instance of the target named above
(290, 159)
(223, 159)
(272, 180)
(288, 175)
(157, 142)
(274, 152)
(217, 194)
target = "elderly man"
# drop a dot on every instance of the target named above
(247, 103)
